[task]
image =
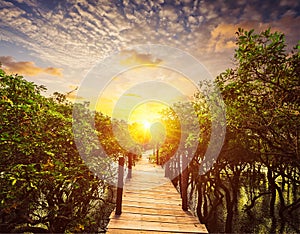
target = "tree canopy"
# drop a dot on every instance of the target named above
(261, 149)
(45, 185)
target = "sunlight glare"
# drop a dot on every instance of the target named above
(142, 119)
(146, 124)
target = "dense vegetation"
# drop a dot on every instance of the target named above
(257, 174)
(45, 185)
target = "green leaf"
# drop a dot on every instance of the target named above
(49, 153)
(14, 182)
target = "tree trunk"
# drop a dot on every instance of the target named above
(282, 202)
(272, 189)
(200, 200)
(235, 186)
(229, 208)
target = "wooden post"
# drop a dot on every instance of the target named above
(178, 171)
(173, 169)
(184, 183)
(154, 151)
(167, 168)
(120, 186)
(157, 159)
(170, 162)
(129, 175)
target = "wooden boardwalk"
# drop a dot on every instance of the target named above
(151, 204)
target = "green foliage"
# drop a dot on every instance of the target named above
(262, 94)
(182, 128)
(45, 186)
(173, 134)
(261, 149)
(262, 108)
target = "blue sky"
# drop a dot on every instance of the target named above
(55, 43)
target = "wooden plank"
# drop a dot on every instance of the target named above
(151, 201)
(156, 218)
(160, 199)
(151, 204)
(123, 231)
(143, 210)
(152, 196)
(157, 226)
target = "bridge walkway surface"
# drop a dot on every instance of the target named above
(151, 204)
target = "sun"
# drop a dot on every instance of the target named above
(146, 124)
(142, 119)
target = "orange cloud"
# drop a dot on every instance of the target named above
(27, 68)
(223, 36)
(131, 57)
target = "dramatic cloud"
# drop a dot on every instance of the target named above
(223, 36)
(27, 68)
(75, 35)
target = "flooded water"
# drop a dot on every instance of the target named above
(257, 219)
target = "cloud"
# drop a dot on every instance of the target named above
(76, 35)
(27, 68)
(293, 4)
(132, 57)
(223, 35)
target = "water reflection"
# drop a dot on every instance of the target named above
(251, 211)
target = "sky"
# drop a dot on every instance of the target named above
(57, 43)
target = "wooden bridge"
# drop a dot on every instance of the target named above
(151, 204)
